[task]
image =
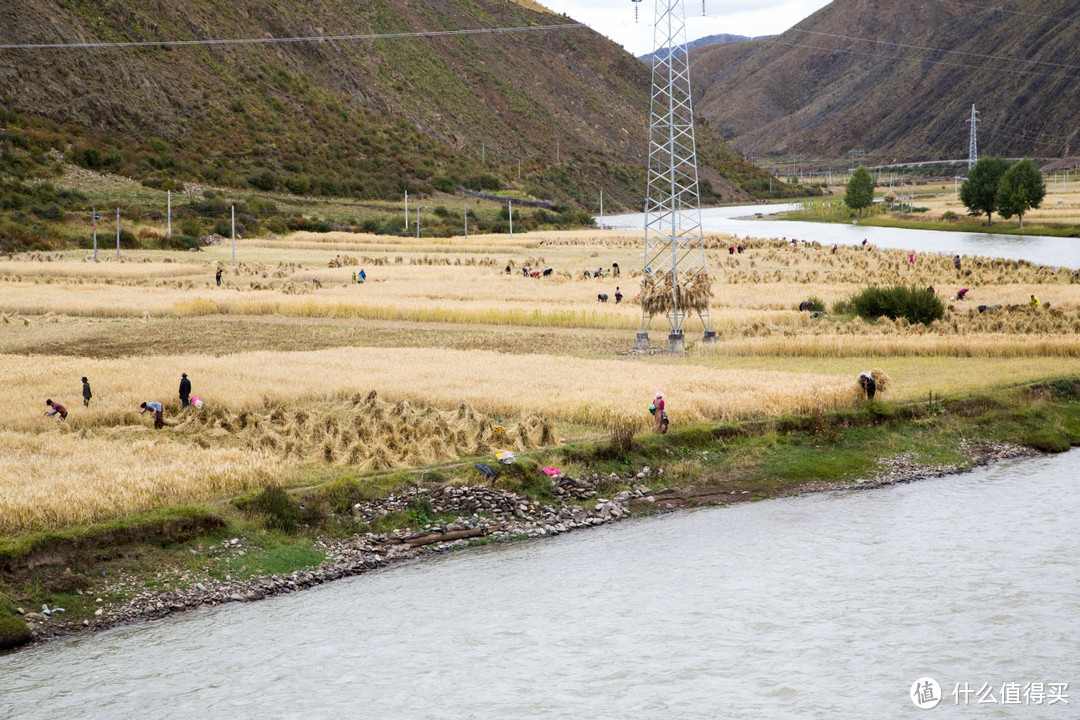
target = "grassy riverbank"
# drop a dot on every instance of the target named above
(83, 569)
(935, 206)
(909, 221)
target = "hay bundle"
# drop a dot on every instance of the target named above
(659, 294)
(355, 454)
(881, 380)
(380, 458)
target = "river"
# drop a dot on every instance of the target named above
(742, 221)
(822, 606)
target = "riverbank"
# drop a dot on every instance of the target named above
(958, 224)
(277, 542)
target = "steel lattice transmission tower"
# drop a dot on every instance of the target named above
(973, 144)
(675, 272)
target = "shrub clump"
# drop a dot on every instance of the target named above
(916, 305)
(278, 509)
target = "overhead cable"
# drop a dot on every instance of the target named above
(273, 40)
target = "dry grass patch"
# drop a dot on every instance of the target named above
(57, 478)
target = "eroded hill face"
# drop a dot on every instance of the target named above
(874, 74)
(559, 114)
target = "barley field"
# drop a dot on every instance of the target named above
(443, 355)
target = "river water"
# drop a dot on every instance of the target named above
(742, 221)
(823, 606)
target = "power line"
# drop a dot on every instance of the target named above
(1009, 12)
(940, 62)
(940, 50)
(272, 40)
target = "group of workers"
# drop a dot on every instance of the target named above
(151, 406)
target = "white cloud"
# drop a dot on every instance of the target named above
(615, 18)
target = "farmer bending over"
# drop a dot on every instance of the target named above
(159, 412)
(57, 408)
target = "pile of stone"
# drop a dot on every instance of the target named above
(448, 499)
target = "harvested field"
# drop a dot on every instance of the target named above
(442, 355)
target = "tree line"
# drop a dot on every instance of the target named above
(993, 185)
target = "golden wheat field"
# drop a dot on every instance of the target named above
(442, 355)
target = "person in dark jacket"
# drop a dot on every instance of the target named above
(866, 380)
(86, 394)
(185, 390)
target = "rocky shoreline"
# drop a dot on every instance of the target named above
(485, 514)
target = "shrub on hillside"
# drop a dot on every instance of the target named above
(899, 301)
(444, 183)
(298, 184)
(263, 180)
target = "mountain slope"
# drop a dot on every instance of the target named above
(899, 79)
(564, 111)
(721, 39)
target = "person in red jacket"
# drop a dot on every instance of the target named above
(57, 409)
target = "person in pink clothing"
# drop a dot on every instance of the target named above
(660, 414)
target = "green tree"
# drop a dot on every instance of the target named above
(860, 190)
(1021, 189)
(979, 192)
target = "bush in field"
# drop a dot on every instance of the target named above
(127, 239)
(278, 510)
(621, 429)
(899, 301)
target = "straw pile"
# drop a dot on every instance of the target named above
(658, 295)
(370, 434)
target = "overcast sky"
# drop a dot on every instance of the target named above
(615, 18)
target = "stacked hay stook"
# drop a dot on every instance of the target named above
(658, 296)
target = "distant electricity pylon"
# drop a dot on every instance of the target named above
(675, 279)
(973, 144)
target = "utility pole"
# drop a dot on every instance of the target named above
(465, 214)
(170, 214)
(97, 216)
(973, 143)
(417, 221)
(406, 209)
(233, 234)
(675, 278)
(510, 212)
(117, 233)
(601, 209)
